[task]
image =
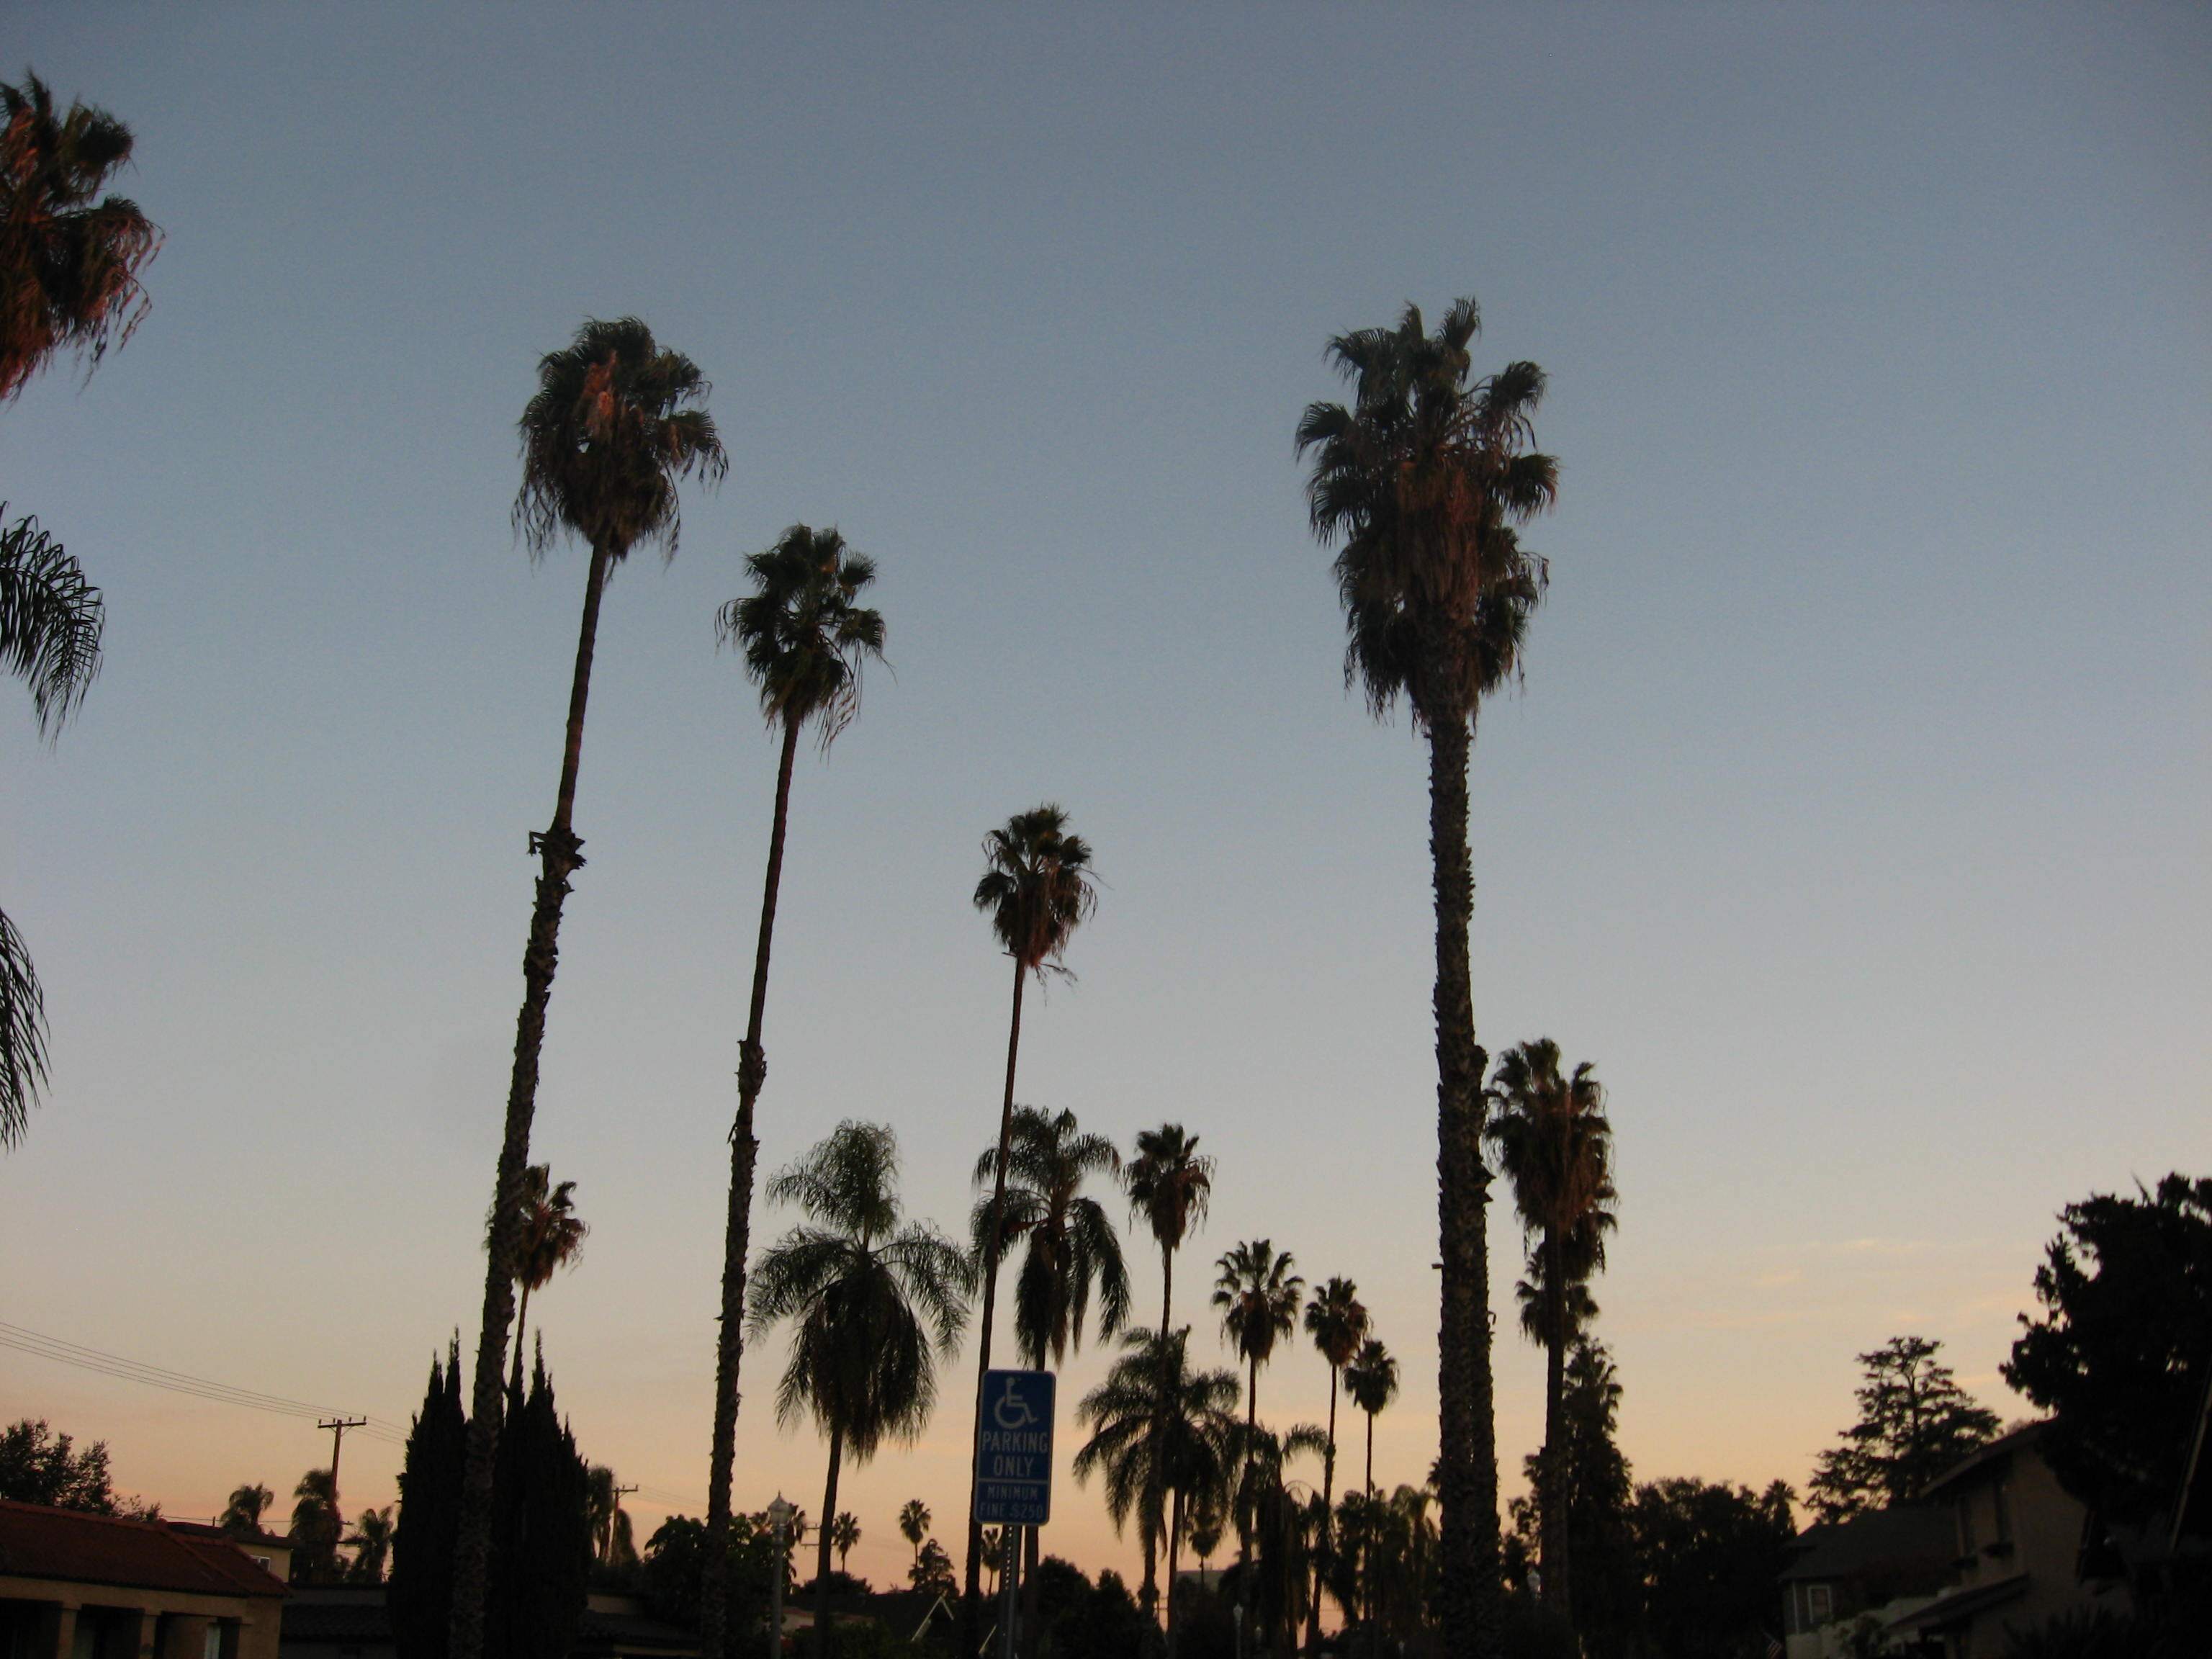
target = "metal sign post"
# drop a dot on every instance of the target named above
(1009, 1597)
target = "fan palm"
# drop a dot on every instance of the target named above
(1037, 889)
(1422, 482)
(1337, 1320)
(241, 1517)
(1554, 1145)
(1258, 1296)
(50, 619)
(913, 1525)
(316, 1527)
(844, 1533)
(552, 1238)
(1371, 1380)
(1157, 1426)
(371, 1543)
(614, 425)
(873, 1301)
(804, 637)
(70, 263)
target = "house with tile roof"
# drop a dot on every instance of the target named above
(77, 1586)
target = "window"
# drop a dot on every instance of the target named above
(2004, 1512)
(211, 1643)
(1820, 1605)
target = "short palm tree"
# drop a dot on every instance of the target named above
(241, 1517)
(1337, 1320)
(873, 1301)
(1157, 1426)
(51, 620)
(615, 424)
(1555, 1145)
(1371, 1380)
(844, 1533)
(804, 637)
(1422, 482)
(69, 259)
(613, 1543)
(1258, 1296)
(913, 1525)
(371, 1543)
(1037, 889)
(316, 1527)
(552, 1238)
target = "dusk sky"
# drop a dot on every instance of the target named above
(1852, 817)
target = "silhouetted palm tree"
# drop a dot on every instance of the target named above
(1422, 481)
(70, 263)
(241, 1517)
(371, 1543)
(805, 638)
(1258, 1296)
(316, 1527)
(1337, 1320)
(1554, 1145)
(614, 1545)
(1371, 1380)
(844, 1533)
(1157, 1426)
(872, 1303)
(913, 1525)
(1037, 890)
(615, 423)
(553, 1237)
(51, 620)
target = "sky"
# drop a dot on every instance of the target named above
(1851, 818)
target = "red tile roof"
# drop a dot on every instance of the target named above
(37, 1542)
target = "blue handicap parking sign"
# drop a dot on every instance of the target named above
(1014, 1449)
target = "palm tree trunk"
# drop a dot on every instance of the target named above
(560, 856)
(821, 1548)
(1327, 1519)
(1469, 1600)
(521, 1324)
(1153, 1494)
(736, 1241)
(972, 1610)
(1174, 1560)
(1552, 1536)
(1244, 1490)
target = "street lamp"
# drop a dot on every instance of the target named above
(779, 1521)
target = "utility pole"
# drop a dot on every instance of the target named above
(337, 1426)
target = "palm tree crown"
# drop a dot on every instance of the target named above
(1258, 1296)
(914, 1524)
(1371, 1380)
(69, 265)
(1424, 478)
(803, 637)
(241, 1517)
(1169, 1182)
(1071, 1244)
(1555, 1146)
(553, 1233)
(1337, 1320)
(613, 425)
(1037, 886)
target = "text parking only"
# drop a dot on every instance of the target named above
(1013, 1467)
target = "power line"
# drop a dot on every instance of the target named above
(119, 1366)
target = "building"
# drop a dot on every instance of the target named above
(76, 1586)
(1880, 1565)
(2019, 1540)
(351, 1621)
(268, 1551)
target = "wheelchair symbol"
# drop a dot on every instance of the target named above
(1013, 1411)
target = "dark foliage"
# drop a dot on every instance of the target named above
(421, 1585)
(1915, 1422)
(540, 1541)
(1606, 1594)
(2120, 1354)
(38, 1466)
(1713, 1557)
(675, 1557)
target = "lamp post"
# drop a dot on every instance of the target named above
(779, 1521)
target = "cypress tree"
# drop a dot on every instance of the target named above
(421, 1586)
(541, 1546)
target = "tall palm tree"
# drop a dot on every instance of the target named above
(1070, 1248)
(1371, 1380)
(1157, 1426)
(1422, 482)
(1258, 1296)
(844, 1533)
(552, 1238)
(913, 1525)
(1555, 1145)
(371, 1543)
(873, 1301)
(241, 1517)
(1169, 1182)
(1271, 1511)
(804, 637)
(614, 425)
(1037, 889)
(69, 259)
(51, 620)
(1337, 1320)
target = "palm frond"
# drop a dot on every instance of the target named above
(51, 622)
